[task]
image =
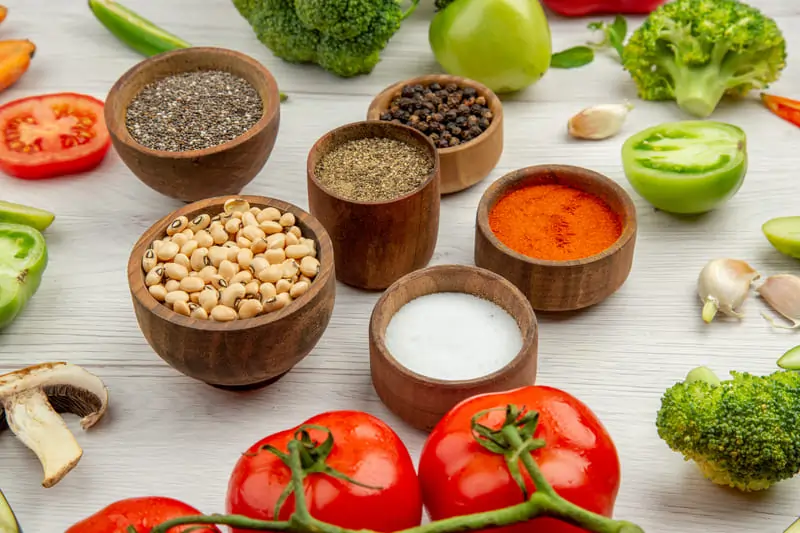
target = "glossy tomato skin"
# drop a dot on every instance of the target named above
(365, 449)
(52, 135)
(459, 476)
(581, 8)
(142, 513)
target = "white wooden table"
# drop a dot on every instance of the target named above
(169, 435)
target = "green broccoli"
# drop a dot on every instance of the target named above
(344, 37)
(697, 51)
(743, 432)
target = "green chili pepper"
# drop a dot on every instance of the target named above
(23, 214)
(133, 30)
(23, 259)
(8, 522)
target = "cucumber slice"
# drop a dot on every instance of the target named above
(26, 215)
(791, 361)
(8, 522)
(784, 234)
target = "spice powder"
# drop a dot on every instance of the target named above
(554, 222)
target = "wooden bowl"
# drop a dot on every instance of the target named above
(559, 285)
(422, 401)
(196, 174)
(375, 243)
(243, 353)
(466, 164)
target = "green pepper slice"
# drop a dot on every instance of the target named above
(784, 234)
(23, 214)
(23, 259)
(134, 30)
(8, 522)
(687, 167)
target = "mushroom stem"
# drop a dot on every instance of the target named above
(34, 421)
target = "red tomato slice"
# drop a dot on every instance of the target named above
(52, 135)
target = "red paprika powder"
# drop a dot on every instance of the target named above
(554, 222)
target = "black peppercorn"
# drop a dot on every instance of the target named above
(455, 130)
(475, 131)
(454, 141)
(470, 92)
(407, 91)
(463, 110)
(451, 87)
(461, 121)
(480, 100)
(476, 109)
(451, 114)
(386, 116)
(435, 87)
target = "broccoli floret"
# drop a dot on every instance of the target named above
(743, 432)
(345, 37)
(697, 51)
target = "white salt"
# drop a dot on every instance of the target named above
(453, 336)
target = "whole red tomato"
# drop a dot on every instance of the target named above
(581, 8)
(141, 513)
(365, 449)
(459, 476)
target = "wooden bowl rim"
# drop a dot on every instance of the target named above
(494, 102)
(529, 337)
(497, 189)
(312, 173)
(119, 129)
(136, 273)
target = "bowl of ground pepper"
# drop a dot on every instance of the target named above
(462, 117)
(374, 186)
(195, 123)
(564, 235)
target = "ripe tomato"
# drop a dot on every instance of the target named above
(52, 135)
(365, 449)
(141, 513)
(459, 476)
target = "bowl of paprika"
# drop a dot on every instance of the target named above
(564, 235)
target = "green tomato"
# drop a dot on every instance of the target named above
(23, 259)
(503, 44)
(784, 234)
(688, 167)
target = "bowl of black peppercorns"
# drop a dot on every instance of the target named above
(462, 117)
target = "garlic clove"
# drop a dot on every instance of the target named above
(782, 293)
(723, 286)
(791, 359)
(599, 122)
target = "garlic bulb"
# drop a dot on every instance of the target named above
(599, 122)
(782, 293)
(723, 285)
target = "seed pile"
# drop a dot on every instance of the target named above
(374, 169)
(449, 115)
(240, 263)
(193, 111)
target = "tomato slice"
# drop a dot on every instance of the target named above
(52, 135)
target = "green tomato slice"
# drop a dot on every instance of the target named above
(686, 167)
(23, 259)
(784, 234)
(23, 214)
(791, 361)
(8, 522)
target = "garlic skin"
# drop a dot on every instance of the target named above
(599, 122)
(723, 285)
(782, 293)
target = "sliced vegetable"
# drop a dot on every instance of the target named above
(574, 57)
(23, 214)
(140, 513)
(134, 30)
(23, 259)
(687, 167)
(15, 58)
(52, 135)
(581, 8)
(791, 361)
(784, 234)
(786, 108)
(8, 522)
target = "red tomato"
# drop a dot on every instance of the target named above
(459, 476)
(142, 513)
(581, 8)
(365, 449)
(52, 135)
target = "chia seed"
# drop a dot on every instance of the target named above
(193, 111)
(374, 169)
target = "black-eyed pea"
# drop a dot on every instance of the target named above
(172, 285)
(296, 231)
(180, 239)
(270, 227)
(259, 246)
(233, 225)
(199, 313)
(156, 244)
(189, 248)
(192, 284)
(223, 313)
(183, 260)
(235, 205)
(253, 233)
(243, 276)
(176, 296)
(181, 307)
(309, 243)
(167, 251)
(154, 277)
(217, 254)
(244, 242)
(255, 210)
(268, 214)
(176, 271)
(218, 282)
(149, 260)
(271, 274)
(204, 239)
(208, 298)
(194, 297)
(159, 292)
(267, 291)
(189, 233)
(231, 294)
(304, 278)
(249, 219)
(244, 257)
(199, 259)
(287, 220)
(251, 289)
(276, 241)
(283, 285)
(276, 256)
(297, 251)
(249, 308)
(219, 234)
(309, 266)
(233, 253)
(299, 289)
(228, 269)
(258, 264)
(289, 269)
(207, 273)
(291, 239)
(272, 304)
(177, 225)
(284, 298)
(200, 222)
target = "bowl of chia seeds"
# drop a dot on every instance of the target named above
(195, 123)
(463, 119)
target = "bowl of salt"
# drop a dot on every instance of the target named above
(443, 334)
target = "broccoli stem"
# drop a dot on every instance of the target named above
(698, 90)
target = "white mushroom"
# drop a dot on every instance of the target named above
(31, 399)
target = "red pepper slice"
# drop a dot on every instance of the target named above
(786, 108)
(581, 8)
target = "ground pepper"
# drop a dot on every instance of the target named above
(554, 222)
